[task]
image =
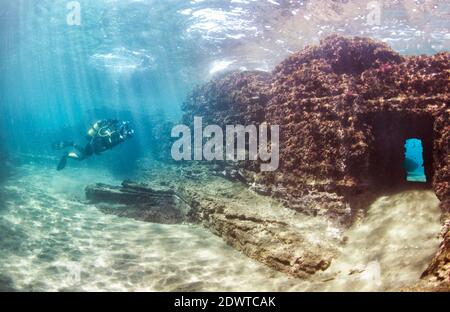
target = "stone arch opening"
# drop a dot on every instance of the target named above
(390, 131)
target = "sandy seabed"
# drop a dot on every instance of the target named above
(51, 240)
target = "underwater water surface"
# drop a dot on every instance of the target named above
(137, 60)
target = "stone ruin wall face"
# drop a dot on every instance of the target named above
(344, 108)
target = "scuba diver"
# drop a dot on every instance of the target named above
(102, 135)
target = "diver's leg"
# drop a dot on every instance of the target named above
(73, 155)
(76, 155)
(79, 148)
(80, 154)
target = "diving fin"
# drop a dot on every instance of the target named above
(62, 162)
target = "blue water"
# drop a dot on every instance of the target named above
(137, 60)
(414, 161)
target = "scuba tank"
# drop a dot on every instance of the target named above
(100, 128)
(93, 130)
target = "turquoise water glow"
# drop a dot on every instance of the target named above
(414, 161)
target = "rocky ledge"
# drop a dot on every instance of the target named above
(437, 275)
(258, 226)
(345, 109)
(139, 202)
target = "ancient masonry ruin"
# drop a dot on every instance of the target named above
(345, 109)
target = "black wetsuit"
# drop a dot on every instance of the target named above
(103, 135)
(102, 141)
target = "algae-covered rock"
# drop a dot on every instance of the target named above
(438, 272)
(345, 108)
(235, 98)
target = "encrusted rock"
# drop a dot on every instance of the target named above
(236, 98)
(345, 108)
(277, 237)
(139, 202)
(438, 272)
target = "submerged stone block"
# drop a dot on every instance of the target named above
(345, 109)
(236, 216)
(139, 202)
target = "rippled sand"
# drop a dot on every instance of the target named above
(52, 241)
(392, 246)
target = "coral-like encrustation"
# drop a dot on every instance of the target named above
(237, 98)
(345, 109)
(227, 209)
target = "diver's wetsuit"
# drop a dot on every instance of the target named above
(103, 135)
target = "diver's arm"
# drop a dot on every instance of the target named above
(115, 139)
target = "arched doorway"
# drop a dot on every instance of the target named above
(391, 132)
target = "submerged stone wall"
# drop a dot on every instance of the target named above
(236, 98)
(345, 109)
